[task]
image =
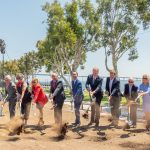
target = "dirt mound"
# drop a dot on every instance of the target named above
(15, 125)
(83, 137)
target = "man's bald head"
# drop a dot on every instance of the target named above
(131, 80)
(54, 76)
(95, 71)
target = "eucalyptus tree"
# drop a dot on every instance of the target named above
(119, 21)
(11, 67)
(29, 63)
(2, 50)
(142, 9)
(67, 40)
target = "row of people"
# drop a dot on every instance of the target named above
(93, 85)
(112, 88)
(21, 93)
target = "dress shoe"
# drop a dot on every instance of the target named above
(41, 122)
(90, 123)
(76, 124)
(133, 126)
(97, 124)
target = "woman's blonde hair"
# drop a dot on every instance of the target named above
(146, 76)
(35, 80)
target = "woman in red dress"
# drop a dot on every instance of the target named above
(39, 98)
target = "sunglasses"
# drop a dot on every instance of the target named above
(131, 82)
(145, 78)
(33, 82)
(112, 73)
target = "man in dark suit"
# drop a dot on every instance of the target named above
(131, 93)
(58, 96)
(11, 92)
(77, 96)
(94, 86)
(113, 90)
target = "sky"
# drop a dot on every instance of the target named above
(21, 27)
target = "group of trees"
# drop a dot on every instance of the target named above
(80, 26)
(27, 64)
(64, 48)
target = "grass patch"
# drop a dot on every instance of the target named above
(87, 98)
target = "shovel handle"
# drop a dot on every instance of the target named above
(137, 98)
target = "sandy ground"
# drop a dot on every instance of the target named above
(83, 138)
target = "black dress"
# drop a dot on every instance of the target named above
(26, 98)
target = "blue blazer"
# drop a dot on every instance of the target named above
(77, 88)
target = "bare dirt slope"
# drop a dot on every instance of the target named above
(83, 138)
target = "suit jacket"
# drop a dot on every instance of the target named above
(1, 97)
(11, 92)
(134, 92)
(39, 95)
(58, 92)
(77, 88)
(115, 89)
(96, 86)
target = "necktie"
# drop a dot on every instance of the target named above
(110, 85)
(73, 82)
(130, 87)
(93, 80)
(54, 84)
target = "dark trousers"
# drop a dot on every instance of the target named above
(25, 109)
(115, 112)
(12, 108)
(58, 113)
(77, 104)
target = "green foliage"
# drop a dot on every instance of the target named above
(115, 25)
(115, 28)
(61, 35)
(10, 67)
(28, 64)
(142, 8)
(104, 100)
(92, 25)
(73, 19)
(68, 36)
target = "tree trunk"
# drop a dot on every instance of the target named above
(106, 60)
(67, 82)
(74, 67)
(114, 63)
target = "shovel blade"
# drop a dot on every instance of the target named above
(1, 111)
